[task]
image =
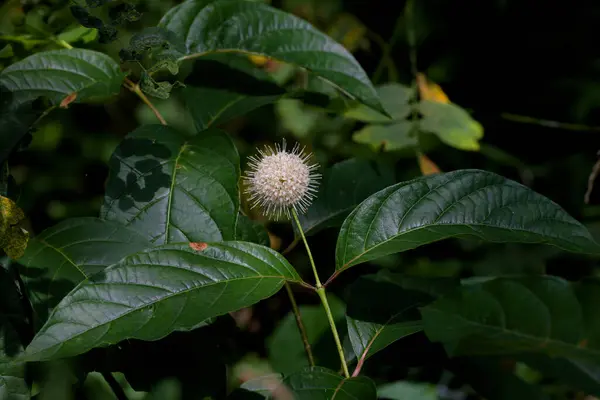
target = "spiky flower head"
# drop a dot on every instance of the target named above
(279, 181)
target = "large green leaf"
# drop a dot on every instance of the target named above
(317, 383)
(62, 256)
(175, 188)
(154, 292)
(461, 203)
(532, 314)
(55, 74)
(382, 309)
(343, 187)
(256, 28)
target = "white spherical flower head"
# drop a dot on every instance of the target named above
(280, 181)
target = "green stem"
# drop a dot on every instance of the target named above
(336, 337)
(323, 296)
(311, 359)
(310, 257)
(63, 43)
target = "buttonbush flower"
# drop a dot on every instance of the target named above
(279, 181)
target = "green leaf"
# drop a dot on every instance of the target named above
(531, 315)
(226, 86)
(248, 230)
(12, 381)
(256, 28)
(405, 390)
(576, 373)
(391, 137)
(56, 74)
(67, 253)
(376, 321)
(395, 100)
(317, 383)
(285, 347)
(16, 120)
(174, 188)
(212, 106)
(298, 118)
(264, 384)
(157, 291)
(77, 33)
(464, 203)
(343, 187)
(453, 125)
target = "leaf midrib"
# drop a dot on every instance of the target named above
(350, 263)
(134, 309)
(171, 190)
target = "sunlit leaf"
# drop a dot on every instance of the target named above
(453, 125)
(174, 188)
(13, 238)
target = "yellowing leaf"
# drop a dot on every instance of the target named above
(391, 137)
(427, 166)
(257, 60)
(13, 238)
(453, 125)
(430, 91)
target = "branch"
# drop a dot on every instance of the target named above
(135, 88)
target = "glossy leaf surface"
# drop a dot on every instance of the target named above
(67, 253)
(154, 292)
(55, 74)
(256, 28)
(343, 187)
(460, 203)
(175, 188)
